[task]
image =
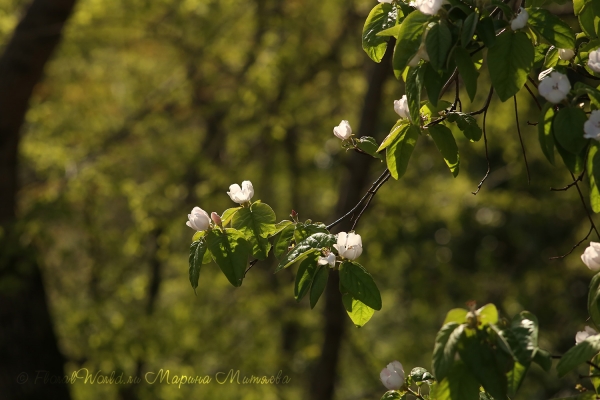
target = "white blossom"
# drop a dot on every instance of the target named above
(401, 107)
(392, 376)
(349, 245)
(566, 54)
(586, 333)
(591, 127)
(429, 7)
(198, 219)
(242, 194)
(594, 60)
(555, 87)
(520, 21)
(329, 259)
(343, 130)
(591, 256)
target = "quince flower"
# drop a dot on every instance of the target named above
(401, 107)
(349, 245)
(566, 54)
(591, 127)
(242, 194)
(594, 60)
(343, 130)
(329, 259)
(392, 376)
(582, 335)
(198, 219)
(429, 7)
(520, 21)
(555, 87)
(591, 255)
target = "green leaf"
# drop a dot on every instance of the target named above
(487, 314)
(578, 6)
(230, 251)
(552, 58)
(414, 85)
(256, 222)
(543, 359)
(369, 145)
(482, 361)
(398, 130)
(467, 70)
(510, 60)
(197, 251)
(522, 336)
(310, 245)
(306, 273)
(280, 226)
(552, 28)
(458, 315)
(318, 286)
(540, 54)
(445, 349)
(544, 128)
(582, 396)
(409, 40)
(593, 302)
(444, 141)
(359, 312)
(419, 374)
(515, 378)
(360, 284)
(486, 31)
(568, 129)
(228, 214)
(468, 28)
(398, 154)
(460, 384)
(467, 124)
(595, 371)
(593, 168)
(588, 20)
(574, 163)
(578, 354)
(438, 42)
(393, 31)
(381, 17)
(582, 89)
(306, 229)
(433, 83)
(393, 395)
(282, 243)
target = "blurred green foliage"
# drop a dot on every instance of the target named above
(152, 107)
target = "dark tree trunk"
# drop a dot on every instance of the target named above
(28, 345)
(352, 189)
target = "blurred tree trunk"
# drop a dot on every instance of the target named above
(27, 340)
(353, 186)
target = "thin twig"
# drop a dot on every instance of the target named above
(532, 81)
(252, 264)
(373, 193)
(369, 193)
(534, 97)
(584, 205)
(521, 140)
(485, 142)
(570, 185)
(575, 246)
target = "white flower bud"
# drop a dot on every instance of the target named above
(343, 130)
(242, 194)
(520, 21)
(392, 376)
(566, 54)
(594, 60)
(591, 256)
(198, 219)
(555, 87)
(349, 245)
(582, 335)
(216, 218)
(329, 259)
(429, 7)
(401, 107)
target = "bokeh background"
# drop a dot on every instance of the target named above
(149, 108)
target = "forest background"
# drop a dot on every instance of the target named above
(149, 108)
